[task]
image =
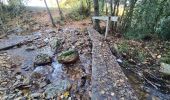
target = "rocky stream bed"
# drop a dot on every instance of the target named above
(32, 70)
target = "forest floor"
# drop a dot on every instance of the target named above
(30, 35)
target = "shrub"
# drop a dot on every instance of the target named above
(164, 28)
(77, 9)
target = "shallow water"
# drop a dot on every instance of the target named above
(143, 89)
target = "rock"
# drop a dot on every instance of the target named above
(55, 43)
(40, 71)
(82, 82)
(42, 59)
(70, 56)
(16, 30)
(35, 95)
(43, 84)
(19, 98)
(50, 31)
(36, 27)
(30, 48)
(59, 87)
(19, 77)
(119, 60)
(165, 69)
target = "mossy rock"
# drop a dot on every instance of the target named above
(55, 43)
(67, 57)
(165, 69)
(42, 59)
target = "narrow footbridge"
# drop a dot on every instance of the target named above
(108, 80)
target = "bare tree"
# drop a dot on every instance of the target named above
(128, 19)
(49, 13)
(60, 12)
(96, 13)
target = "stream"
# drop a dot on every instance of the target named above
(78, 74)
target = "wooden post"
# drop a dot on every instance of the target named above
(107, 27)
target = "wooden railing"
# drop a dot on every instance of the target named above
(108, 19)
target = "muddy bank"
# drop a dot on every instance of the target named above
(141, 62)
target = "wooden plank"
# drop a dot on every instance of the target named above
(104, 18)
(108, 80)
(114, 18)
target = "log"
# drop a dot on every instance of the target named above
(108, 80)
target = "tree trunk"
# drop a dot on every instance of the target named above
(60, 12)
(102, 6)
(129, 15)
(111, 7)
(106, 9)
(49, 13)
(117, 8)
(122, 16)
(114, 9)
(96, 13)
(89, 7)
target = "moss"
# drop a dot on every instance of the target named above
(129, 51)
(123, 47)
(166, 58)
(67, 53)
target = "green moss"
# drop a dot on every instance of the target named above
(132, 52)
(67, 53)
(166, 58)
(123, 47)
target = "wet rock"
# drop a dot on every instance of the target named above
(40, 72)
(35, 95)
(165, 69)
(8, 97)
(30, 48)
(70, 56)
(19, 77)
(82, 82)
(36, 27)
(43, 84)
(42, 59)
(20, 98)
(55, 43)
(58, 88)
(16, 30)
(50, 31)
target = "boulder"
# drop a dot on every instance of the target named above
(165, 69)
(40, 72)
(52, 90)
(42, 59)
(55, 43)
(67, 57)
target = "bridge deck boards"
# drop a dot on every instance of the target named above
(108, 80)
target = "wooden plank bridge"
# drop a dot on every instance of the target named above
(108, 80)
